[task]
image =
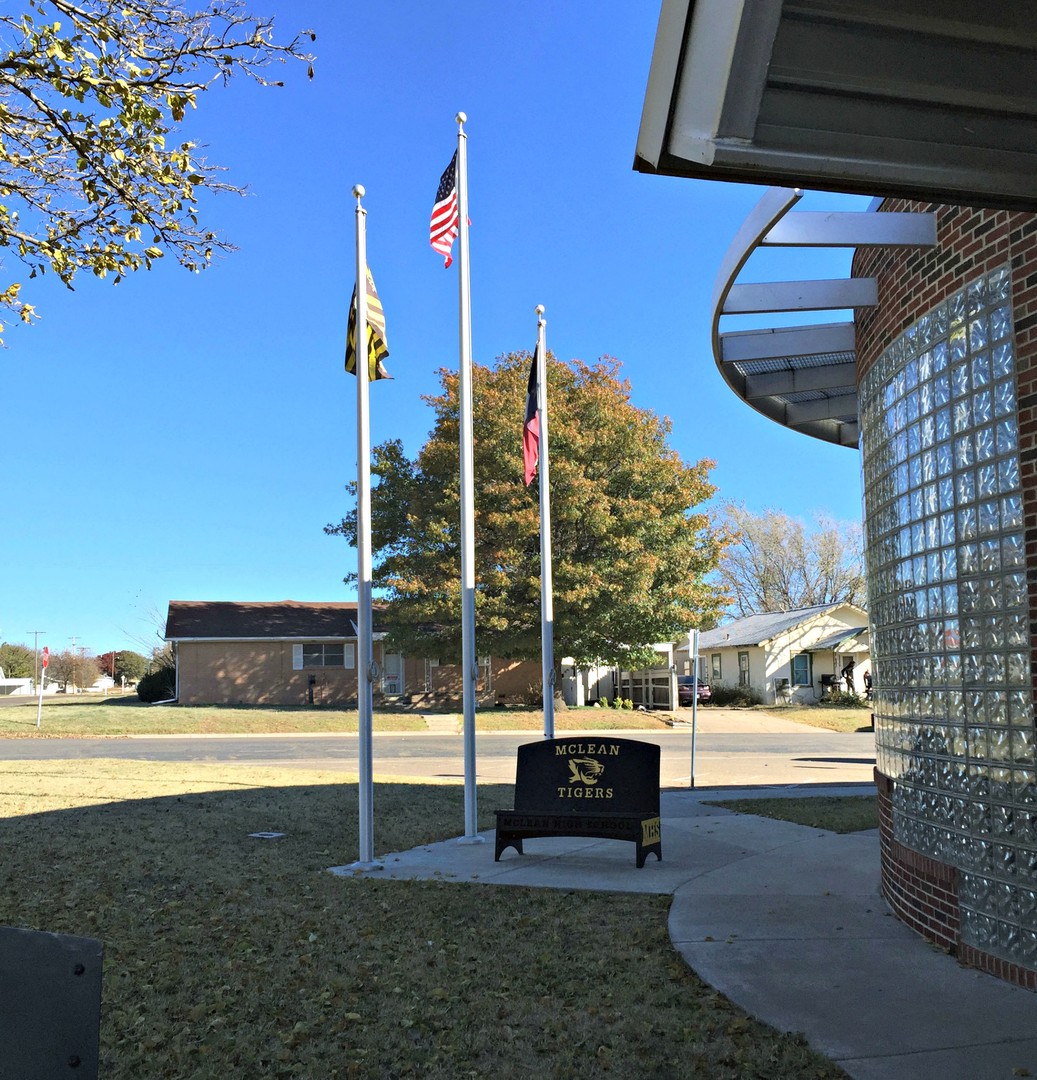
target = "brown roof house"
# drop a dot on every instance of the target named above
(289, 652)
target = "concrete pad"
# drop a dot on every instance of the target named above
(914, 1000)
(989, 1061)
(813, 863)
(776, 918)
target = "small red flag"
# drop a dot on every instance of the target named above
(531, 427)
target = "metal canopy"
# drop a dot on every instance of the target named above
(936, 101)
(804, 377)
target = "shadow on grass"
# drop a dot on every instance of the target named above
(229, 956)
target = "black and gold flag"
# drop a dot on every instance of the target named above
(377, 349)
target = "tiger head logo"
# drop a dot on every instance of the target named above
(585, 770)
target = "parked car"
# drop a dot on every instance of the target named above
(688, 686)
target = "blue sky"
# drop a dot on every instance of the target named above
(187, 437)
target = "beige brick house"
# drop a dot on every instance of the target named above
(289, 652)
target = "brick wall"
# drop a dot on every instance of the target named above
(970, 242)
(922, 892)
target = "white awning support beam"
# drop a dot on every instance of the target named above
(829, 294)
(818, 228)
(800, 380)
(790, 341)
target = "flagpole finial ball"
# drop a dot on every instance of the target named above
(462, 118)
(359, 191)
(540, 309)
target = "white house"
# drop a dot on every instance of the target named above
(785, 656)
(653, 688)
(14, 687)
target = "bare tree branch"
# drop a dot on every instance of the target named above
(90, 96)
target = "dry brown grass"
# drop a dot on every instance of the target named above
(98, 717)
(828, 717)
(230, 957)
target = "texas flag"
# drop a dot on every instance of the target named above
(531, 427)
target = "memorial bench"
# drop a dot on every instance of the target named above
(585, 786)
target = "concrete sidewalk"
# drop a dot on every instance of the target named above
(788, 923)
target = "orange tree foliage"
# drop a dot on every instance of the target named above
(631, 553)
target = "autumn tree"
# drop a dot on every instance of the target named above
(92, 176)
(72, 667)
(776, 563)
(631, 551)
(17, 661)
(124, 663)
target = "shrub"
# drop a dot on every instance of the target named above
(533, 697)
(627, 703)
(844, 700)
(158, 685)
(738, 696)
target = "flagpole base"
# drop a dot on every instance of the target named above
(477, 839)
(359, 867)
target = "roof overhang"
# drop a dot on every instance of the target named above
(936, 101)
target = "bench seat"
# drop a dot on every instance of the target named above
(514, 826)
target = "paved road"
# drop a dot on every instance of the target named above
(797, 755)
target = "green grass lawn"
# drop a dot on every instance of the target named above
(230, 957)
(840, 814)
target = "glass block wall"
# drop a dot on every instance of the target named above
(948, 604)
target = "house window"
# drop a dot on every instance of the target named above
(322, 654)
(743, 669)
(801, 674)
(326, 655)
(714, 661)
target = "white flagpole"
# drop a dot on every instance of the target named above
(469, 667)
(365, 667)
(547, 612)
(43, 679)
(693, 656)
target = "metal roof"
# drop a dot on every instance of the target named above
(933, 100)
(845, 638)
(755, 629)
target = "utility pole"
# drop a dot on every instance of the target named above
(35, 655)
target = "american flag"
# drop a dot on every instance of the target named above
(531, 426)
(445, 221)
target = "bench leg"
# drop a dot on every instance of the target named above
(644, 852)
(504, 841)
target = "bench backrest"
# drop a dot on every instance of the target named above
(50, 1004)
(588, 774)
